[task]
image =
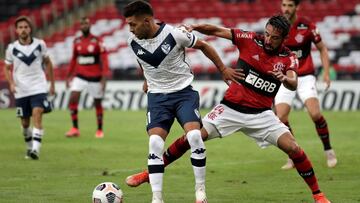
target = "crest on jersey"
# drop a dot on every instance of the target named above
(166, 48)
(78, 48)
(299, 38)
(91, 48)
(278, 66)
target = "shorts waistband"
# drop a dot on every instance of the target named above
(243, 109)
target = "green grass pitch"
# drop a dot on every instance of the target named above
(237, 170)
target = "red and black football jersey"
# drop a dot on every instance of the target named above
(89, 60)
(259, 87)
(302, 33)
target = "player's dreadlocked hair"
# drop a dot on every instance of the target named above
(280, 23)
(137, 8)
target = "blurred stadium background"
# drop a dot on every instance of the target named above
(57, 22)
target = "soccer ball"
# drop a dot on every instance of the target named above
(107, 192)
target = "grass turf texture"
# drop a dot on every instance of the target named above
(237, 170)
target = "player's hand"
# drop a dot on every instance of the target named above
(103, 84)
(327, 81)
(52, 90)
(232, 75)
(12, 88)
(145, 87)
(67, 82)
(278, 75)
(187, 27)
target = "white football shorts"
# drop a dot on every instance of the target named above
(265, 127)
(93, 88)
(306, 89)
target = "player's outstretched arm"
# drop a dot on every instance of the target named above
(228, 74)
(214, 30)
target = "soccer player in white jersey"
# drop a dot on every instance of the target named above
(24, 62)
(160, 51)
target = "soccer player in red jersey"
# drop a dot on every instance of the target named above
(246, 106)
(302, 33)
(89, 64)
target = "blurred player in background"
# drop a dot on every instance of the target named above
(302, 33)
(160, 51)
(246, 107)
(89, 64)
(24, 62)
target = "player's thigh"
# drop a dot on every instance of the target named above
(307, 87)
(284, 95)
(265, 128)
(159, 112)
(222, 121)
(40, 101)
(23, 107)
(78, 84)
(187, 109)
(95, 90)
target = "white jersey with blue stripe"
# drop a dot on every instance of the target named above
(163, 60)
(27, 61)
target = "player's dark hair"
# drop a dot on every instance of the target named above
(280, 23)
(137, 8)
(297, 2)
(24, 18)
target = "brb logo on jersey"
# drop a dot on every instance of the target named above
(253, 79)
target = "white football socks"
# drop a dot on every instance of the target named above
(156, 165)
(27, 132)
(37, 138)
(198, 156)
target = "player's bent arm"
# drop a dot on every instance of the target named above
(9, 78)
(324, 56)
(209, 29)
(290, 81)
(50, 71)
(7, 72)
(211, 53)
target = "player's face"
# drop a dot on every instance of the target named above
(23, 30)
(139, 26)
(85, 26)
(288, 9)
(273, 38)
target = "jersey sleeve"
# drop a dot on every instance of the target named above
(104, 59)
(240, 36)
(293, 63)
(183, 37)
(44, 48)
(8, 55)
(315, 34)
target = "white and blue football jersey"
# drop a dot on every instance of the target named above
(163, 60)
(28, 71)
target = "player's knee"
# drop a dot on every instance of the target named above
(293, 148)
(156, 143)
(194, 137)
